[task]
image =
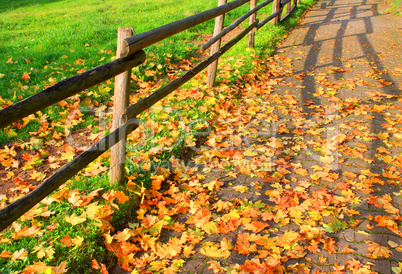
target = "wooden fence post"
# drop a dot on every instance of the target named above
(289, 8)
(251, 35)
(121, 101)
(215, 47)
(276, 5)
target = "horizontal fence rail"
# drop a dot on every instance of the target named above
(16, 209)
(132, 47)
(269, 18)
(145, 39)
(68, 87)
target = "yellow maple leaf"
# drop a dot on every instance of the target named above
(383, 135)
(211, 249)
(287, 239)
(20, 254)
(223, 206)
(92, 210)
(37, 176)
(210, 228)
(74, 219)
(241, 189)
(326, 159)
(75, 198)
(214, 184)
(78, 240)
(188, 251)
(43, 251)
(315, 215)
(67, 156)
(301, 171)
(123, 236)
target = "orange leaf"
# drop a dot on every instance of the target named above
(383, 135)
(25, 76)
(157, 181)
(67, 241)
(350, 174)
(95, 265)
(127, 248)
(301, 171)
(200, 218)
(120, 196)
(104, 270)
(346, 249)
(37, 267)
(353, 265)
(378, 250)
(188, 251)
(5, 254)
(256, 226)
(330, 245)
(243, 245)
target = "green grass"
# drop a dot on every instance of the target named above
(54, 34)
(52, 40)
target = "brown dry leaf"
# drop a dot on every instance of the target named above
(378, 250)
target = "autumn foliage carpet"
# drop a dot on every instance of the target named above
(294, 168)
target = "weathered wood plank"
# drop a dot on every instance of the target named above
(121, 102)
(276, 6)
(251, 34)
(215, 47)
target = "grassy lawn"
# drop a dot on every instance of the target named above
(44, 41)
(46, 38)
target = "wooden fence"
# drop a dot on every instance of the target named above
(130, 54)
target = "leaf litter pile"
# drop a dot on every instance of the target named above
(274, 185)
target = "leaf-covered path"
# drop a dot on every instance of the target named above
(301, 172)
